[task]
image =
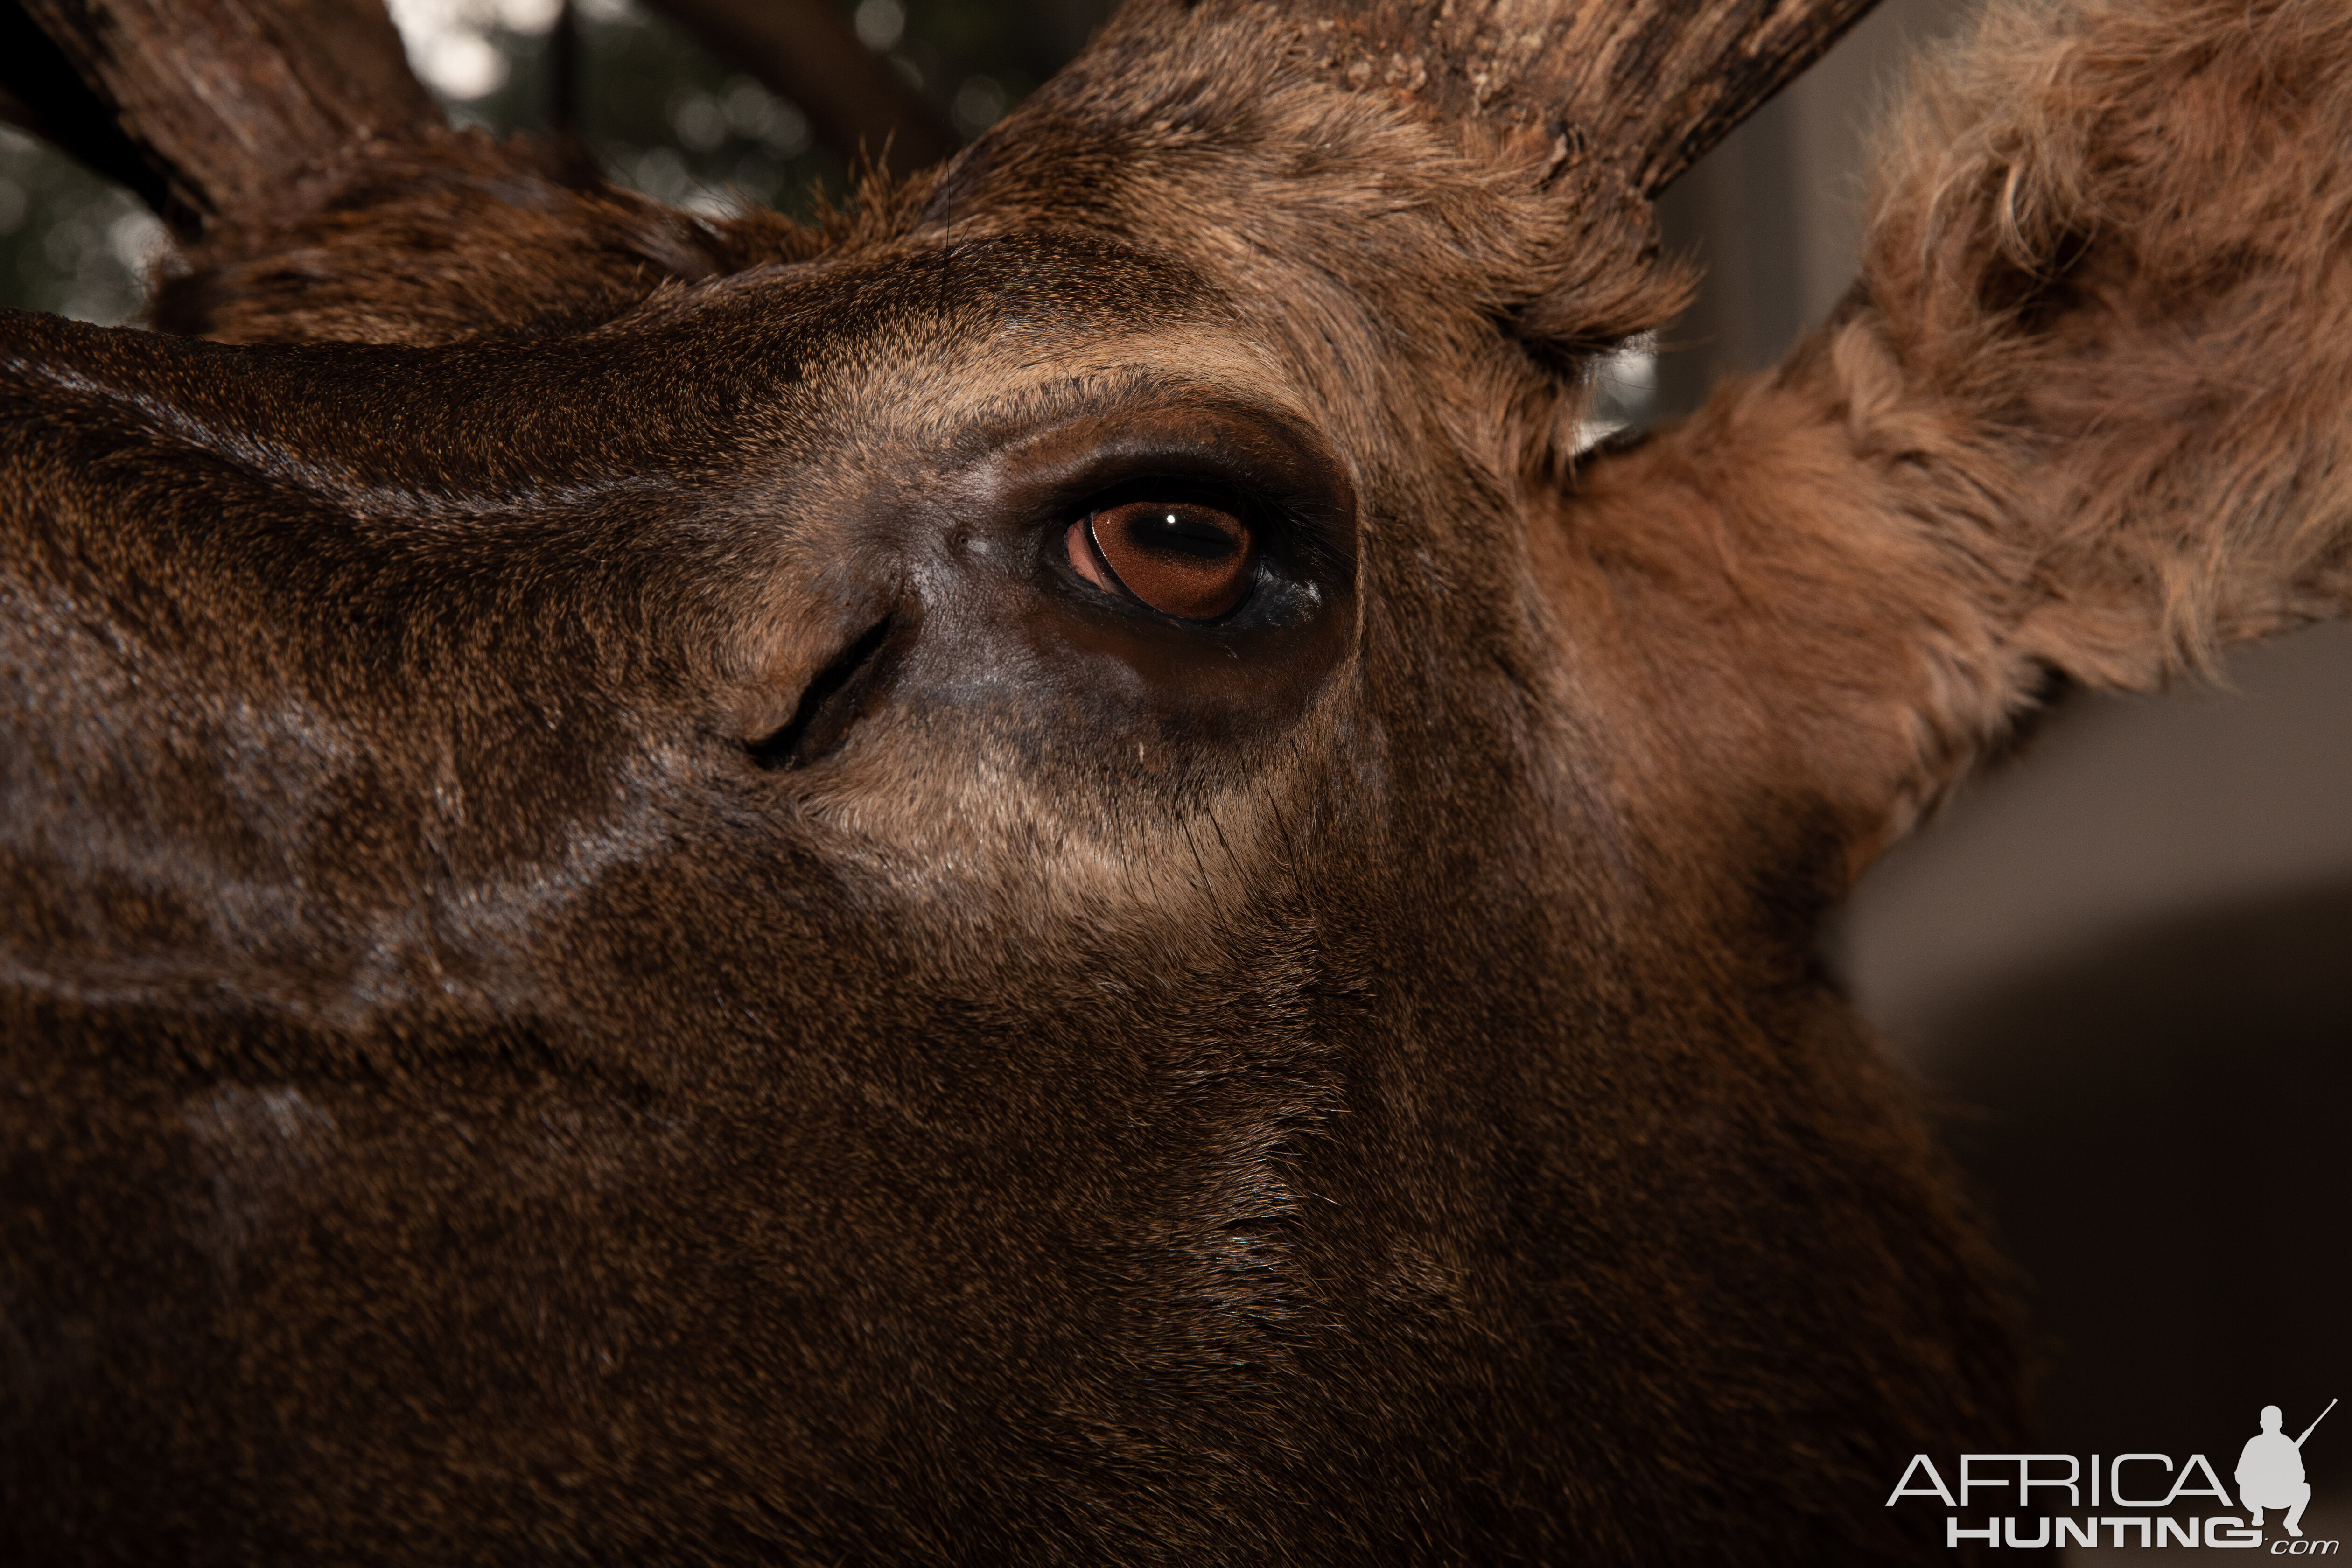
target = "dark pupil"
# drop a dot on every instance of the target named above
(1174, 531)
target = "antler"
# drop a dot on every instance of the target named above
(1506, 151)
(318, 192)
(229, 104)
(270, 129)
(223, 101)
(1649, 84)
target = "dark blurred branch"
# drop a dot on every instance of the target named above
(211, 110)
(15, 111)
(566, 68)
(855, 100)
(563, 73)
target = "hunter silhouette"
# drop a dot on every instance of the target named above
(2270, 1471)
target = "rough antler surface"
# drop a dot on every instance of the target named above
(240, 106)
(1650, 86)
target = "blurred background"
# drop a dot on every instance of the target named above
(2121, 964)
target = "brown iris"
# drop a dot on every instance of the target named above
(1181, 558)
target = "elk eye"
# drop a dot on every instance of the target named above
(1181, 558)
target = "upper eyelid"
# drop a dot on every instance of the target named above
(1262, 519)
(1221, 495)
(1235, 453)
(1268, 471)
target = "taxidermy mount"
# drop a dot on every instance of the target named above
(1042, 874)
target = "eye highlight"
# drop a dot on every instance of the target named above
(1181, 558)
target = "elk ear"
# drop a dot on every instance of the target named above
(1532, 135)
(2084, 418)
(2118, 244)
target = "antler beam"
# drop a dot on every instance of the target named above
(229, 101)
(1648, 84)
(1673, 79)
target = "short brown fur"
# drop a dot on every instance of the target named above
(606, 956)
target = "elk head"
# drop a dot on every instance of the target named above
(1039, 878)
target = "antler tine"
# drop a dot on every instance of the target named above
(1649, 85)
(1680, 77)
(229, 101)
